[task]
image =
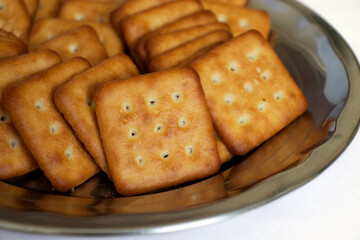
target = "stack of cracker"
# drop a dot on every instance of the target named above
(76, 104)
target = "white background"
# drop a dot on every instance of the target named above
(326, 208)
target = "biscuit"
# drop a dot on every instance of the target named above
(196, 19)
(47, 9)
(156, 131)
(10, 45)
(135, 26)
(240, 19)
(15, 18)
(81, 10)
(250, 93)
(48, 28)
(15, 158)
(31, 6)
(164, 42)
(240, 3)
(285, 150)
(180, 55)
(49, 138)
(82, 41)
(131, 7)
(74, 100)
(224, 153)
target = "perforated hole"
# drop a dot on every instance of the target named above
(252, 57)
(90, 103)
(233, 67)
(176, 96)
(215, 79)
(140, 161)
(68, 153)
(262, 107)
(73, 48)
(222, 18)
(248, 88)
(265, 75)
(244, 23)
(54, 129)
(189, 149)
(165, 155)
(79, 17)
(4, 117)
(127, 107)
(183, 122)
(39, 105)
(133, 133)
(229, 99)
(2, 6)
(158, 128)
(152, 102)
(279, 95)
(13, 142)
(243, 120)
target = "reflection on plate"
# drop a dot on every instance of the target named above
(327, 72)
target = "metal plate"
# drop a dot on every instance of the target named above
(325, 69)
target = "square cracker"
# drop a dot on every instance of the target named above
(82, 41)
(49, 138)
(135, 26)
(199, 18)
(241, 19)
(250, 94)
(16, 160)
(164, 42)
(74, 100)
(81, 10)
(156, 131)
(180, 55)
(10, 45)
(47, 9)
(48, 28)
(15, 18)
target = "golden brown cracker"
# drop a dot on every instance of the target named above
(15, 18)
(31, 6)
(181, 54)
(240, 3)
(196, 19)
(81, 10)
(49, 138)
(156, 131)
(224, 153)
(15, 158)
(135, 26)
(47, 9)
(82, 41)
(164, 42)
(48, 28)
(10, 45)
(74, 100)
(131, 7)
(250, 94)
(241, 19)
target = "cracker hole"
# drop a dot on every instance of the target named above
(222, 18)
(140, 161)
(262, 107)
(176, 96)
(158, 128)
(54, 129)
(228, 100)
(79, 17)
(90, 103)
(133, 133)
(252, 57)
(39, 106)
(244, 23)
(189, 149)
(165, 155)
(233, 67)
(4, 117)
(243, 120)
(73, 48)
(265, 76)
(127, 107)
(182, 122)
(278, 96)
(215, 79)
(2, 6)
(152, 102)
(68, 153)
(13, 142)
(248, 88)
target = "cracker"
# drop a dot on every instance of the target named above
(241, 19)
(240, 3)
(250, 94)
(181, 54)
(156, 131)
(164, 42)
(224, 153)
(48, 28)
(131, 7)
(10, 45)
(81, 10)
(15, 18)
(135, 26)
(285, 150)
(15, 158)
(82, 41)
(47, 9)
(196, 19)
(50, 140)
(74, 100)
(31, 6)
